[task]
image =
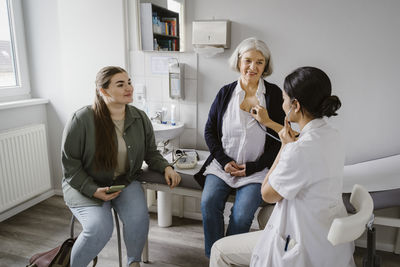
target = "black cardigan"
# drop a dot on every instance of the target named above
(213, 130)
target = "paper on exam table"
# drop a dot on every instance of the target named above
(374, 175)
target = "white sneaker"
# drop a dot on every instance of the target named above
(134, 264)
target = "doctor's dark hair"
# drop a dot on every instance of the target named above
(105, 156)
(312, 88)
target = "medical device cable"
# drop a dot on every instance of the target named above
(270, 135)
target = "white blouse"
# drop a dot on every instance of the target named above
(242, 138)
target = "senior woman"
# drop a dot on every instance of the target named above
(240, 149)
(103, 145)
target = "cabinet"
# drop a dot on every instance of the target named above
(159, 28)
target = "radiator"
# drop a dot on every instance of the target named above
(24, 165)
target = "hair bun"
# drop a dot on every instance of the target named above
(329, 106)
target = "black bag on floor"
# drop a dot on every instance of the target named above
(58, 256)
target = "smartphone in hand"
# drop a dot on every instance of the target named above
(115, 188)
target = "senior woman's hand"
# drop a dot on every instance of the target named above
(241, 171)
(231, 167)
(171, 177)
(234, 169)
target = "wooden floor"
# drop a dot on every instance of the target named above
(43, 226)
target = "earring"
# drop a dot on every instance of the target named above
(102, 93)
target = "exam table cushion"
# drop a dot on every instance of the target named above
(382, 199)
(375, 175)
(187, 181)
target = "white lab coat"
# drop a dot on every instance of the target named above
(309, 178)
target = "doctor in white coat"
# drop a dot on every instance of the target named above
(305, 182)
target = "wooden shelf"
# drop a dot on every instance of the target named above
(164, 35)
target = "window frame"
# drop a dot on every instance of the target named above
(22, 90)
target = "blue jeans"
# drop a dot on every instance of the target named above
(97, 224)
(215, 194)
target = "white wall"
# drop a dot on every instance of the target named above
(68, 42)
(355, 42)
(91, 36)
(44, 65)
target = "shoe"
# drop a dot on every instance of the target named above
(134, 264)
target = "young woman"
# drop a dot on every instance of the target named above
(104, 145)
(305, 182)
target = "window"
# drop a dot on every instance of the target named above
(14, 78)
(7, 69)
(174, 6)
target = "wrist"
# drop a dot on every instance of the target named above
(276, 127)
(268, 124)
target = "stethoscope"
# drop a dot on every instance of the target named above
(262, 128)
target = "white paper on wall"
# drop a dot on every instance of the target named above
(159, 65)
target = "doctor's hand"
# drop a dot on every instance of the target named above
(101, 194)
(261, 115)
(287, 134)
(241, 171)
(171, 177)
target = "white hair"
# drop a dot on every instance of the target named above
(252, 44)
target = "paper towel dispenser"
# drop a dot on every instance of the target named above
(215, 33)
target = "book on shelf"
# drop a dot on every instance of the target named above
(171, 27)
(168, 45)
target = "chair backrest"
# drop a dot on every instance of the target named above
(350, 228)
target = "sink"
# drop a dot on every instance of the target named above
(164, 132)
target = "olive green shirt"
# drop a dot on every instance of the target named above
(80, 179)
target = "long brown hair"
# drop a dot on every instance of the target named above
(106, 149)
